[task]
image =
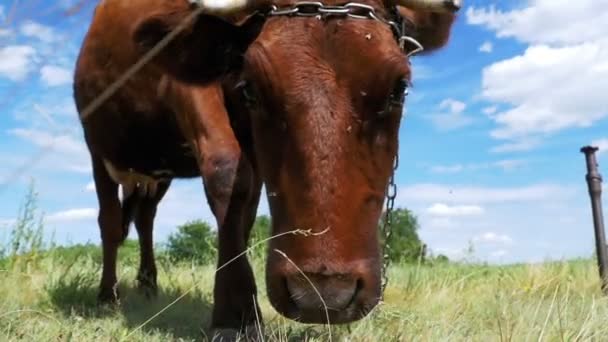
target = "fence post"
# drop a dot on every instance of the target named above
(594, 182)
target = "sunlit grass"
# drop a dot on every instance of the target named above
(54, 300)
(48, 293)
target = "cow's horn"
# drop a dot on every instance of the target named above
(442, 6)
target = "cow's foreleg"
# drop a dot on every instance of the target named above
(232, 188)
(235, 306)
(144, 223)
(110, 224)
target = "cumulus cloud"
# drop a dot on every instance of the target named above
(601, 144)
(499, 253)
(6, 222)
(505, 165)
(558, 82)
(519, 145)
(546, 21)
(456, 168)
(36, 30)
(486, 47)
(55, 76)
(434, 193)
(63, 143)
(4, 32)
(492, 237)
(451, 115)
(16, 61)
(546, 96)
(90, 187)
(440, 209)
(72, 215)
(69, 153)
(490, 110)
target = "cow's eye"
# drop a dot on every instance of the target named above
(248, 92)
(400, 90)
(396, 98)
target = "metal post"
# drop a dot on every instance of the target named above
(594, 181)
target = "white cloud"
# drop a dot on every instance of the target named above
(546, 98)
(4, 32)
(486, 47)
(488, 111)
(509, 164)
(62, 143)
(433, 193)
(558, 82)
(90, 187)
(519, 145)
(499, 253)
(36, 30)
(72, 215)
(505, 165)
(440, 209)
(454, 106)
(601, 144)
(448, 168)
(6, 222)
(68, 153)
(491, 237)
(55, 76)
(452, 116)
(16, 61)
(546, 21)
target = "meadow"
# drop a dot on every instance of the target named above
(48, 293)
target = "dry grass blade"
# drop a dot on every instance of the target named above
(291, 232)
(542, 332)
(313, 287)
(22, 311)
(258, 320)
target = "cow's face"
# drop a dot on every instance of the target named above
(325, 135)
(322, 95)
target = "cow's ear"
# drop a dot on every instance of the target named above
(207, 48)
(432, 30)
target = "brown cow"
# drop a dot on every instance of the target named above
(310, 106)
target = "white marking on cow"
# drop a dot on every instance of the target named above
(130, 180)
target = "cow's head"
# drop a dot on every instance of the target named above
(323, 97)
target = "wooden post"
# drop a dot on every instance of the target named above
(594, 182)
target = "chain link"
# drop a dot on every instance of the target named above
(391, 195)
(319, 10)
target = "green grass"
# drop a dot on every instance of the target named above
(52, 298)
(48, 293)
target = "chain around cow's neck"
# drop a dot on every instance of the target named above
(354, 10)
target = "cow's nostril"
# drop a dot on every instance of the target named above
(335, 292)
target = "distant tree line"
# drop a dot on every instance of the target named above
(197, 241)
(194, 241)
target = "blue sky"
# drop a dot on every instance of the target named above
(489, 147)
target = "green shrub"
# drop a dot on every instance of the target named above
(260, 231)
(193, 241)
(405, 244)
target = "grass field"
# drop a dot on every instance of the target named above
(50, 296)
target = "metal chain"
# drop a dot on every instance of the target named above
(391, 195)
(319, 10)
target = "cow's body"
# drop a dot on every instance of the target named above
(137, 128)
(312, 123)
